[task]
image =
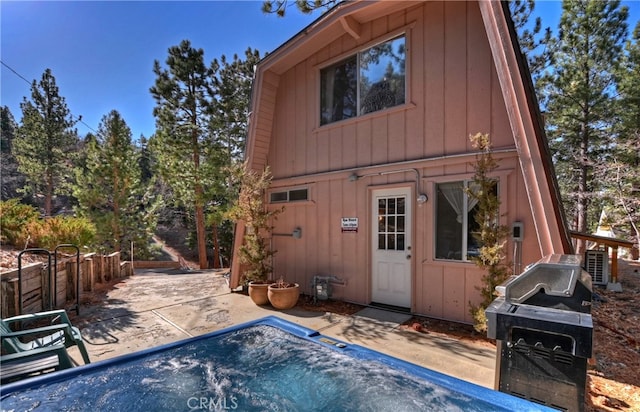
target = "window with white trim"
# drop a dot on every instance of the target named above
(455, 221)
(371, 80)
(292, 195)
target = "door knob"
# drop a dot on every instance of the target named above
(408, 257)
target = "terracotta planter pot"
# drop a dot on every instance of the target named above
(258, 292)
(283, 298)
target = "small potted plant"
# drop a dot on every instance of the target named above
(255, 254)
(283, 295)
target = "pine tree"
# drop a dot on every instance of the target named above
(184, 93)
(146, 159)
(45, 142)
(233, 91)
(279, 7)
(579, 99)
(11, 180)
(110, 191)
(8, 127)
(490, 234)
(535, 44)
(621, 173)
(229, 122)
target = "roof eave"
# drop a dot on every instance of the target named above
(528, 132)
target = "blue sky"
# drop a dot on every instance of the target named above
(102, 53)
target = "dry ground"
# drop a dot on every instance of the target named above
(614, 378)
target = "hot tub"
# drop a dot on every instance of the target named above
(269, 365)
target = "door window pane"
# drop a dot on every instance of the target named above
(391, 223)
(391, 242)
(392, 206)
(382, 207)
(382, 224)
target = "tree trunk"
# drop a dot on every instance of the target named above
(216, 247)
(202, 244)
(115, 223)
(48, 196)
(199, 201)
(583, 176)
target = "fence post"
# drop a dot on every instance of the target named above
(10, 303)
(116, 265)
(87, 272)
(70, 269)
(100, 273)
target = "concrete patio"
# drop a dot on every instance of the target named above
(158, 306)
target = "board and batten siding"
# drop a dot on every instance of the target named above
(453, 91)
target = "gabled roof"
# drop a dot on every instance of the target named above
(342, 18)
(515, 82)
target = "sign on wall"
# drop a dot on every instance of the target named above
(349, 224)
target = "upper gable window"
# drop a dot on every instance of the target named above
(371, 80)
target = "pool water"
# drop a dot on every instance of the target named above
(259, 367)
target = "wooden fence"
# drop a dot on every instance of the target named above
(38, 290)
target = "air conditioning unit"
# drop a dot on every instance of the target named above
(596, 262)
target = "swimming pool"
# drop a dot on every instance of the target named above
(269, 364)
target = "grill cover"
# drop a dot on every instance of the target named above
(552, 296)
(544, 331)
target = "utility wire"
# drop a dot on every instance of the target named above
(30, 84)
(15, 72)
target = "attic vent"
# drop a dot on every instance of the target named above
(597, 264)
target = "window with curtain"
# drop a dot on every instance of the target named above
(455, 221)
(371, 80)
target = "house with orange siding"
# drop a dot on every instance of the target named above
(364, 119)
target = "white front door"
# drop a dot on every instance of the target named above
(391, 247)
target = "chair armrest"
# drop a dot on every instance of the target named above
(45, 329)
(64, 318)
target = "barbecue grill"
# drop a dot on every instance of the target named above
(542, 323)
